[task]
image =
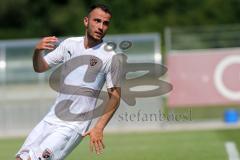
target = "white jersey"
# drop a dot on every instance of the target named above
(68, 50)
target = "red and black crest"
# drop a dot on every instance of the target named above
(47, 153)
(93, 61)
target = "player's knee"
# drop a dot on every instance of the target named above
(18, 158)
(23, 156)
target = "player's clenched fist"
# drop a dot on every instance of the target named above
(47, 43)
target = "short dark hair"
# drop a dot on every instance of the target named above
(103, 7)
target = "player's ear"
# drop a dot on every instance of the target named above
(85, 21)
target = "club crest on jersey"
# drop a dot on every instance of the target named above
(93, 61)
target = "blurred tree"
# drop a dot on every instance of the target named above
(25, 18)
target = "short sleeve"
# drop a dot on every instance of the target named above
(114, 72)
(56, 56)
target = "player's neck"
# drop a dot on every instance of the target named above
(89, 42)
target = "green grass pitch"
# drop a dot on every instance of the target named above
(180, 145)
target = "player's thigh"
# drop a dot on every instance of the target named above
(35, 137)
(71, 144)
(60, 143)
(36, 134)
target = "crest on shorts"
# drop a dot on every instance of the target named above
(93, 61)
(47, 153)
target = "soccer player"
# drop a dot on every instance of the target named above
(55, 137)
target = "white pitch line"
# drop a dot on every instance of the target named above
(232, 151)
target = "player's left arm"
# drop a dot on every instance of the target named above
(96, 133)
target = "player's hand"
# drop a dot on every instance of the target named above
(47, 43)
(96, 139)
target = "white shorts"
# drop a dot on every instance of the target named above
(49, 142)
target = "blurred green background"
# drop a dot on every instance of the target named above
(189, 24)
(33, 18)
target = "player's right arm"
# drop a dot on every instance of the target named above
(39, 63)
